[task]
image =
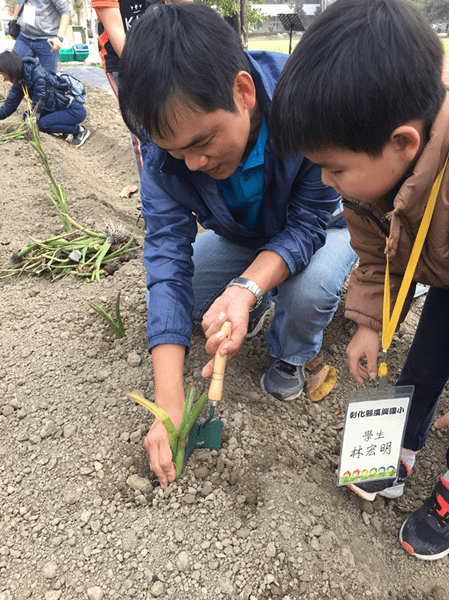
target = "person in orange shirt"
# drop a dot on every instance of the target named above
(116, 17)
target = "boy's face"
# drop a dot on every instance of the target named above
(210, 142)
(357, 175)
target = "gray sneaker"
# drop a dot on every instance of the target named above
(80, 137)
(283, 380)
(389, 488)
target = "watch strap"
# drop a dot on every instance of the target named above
(60, 38)
(248, 284)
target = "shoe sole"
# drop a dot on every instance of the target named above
(410, 550)
(391, 493)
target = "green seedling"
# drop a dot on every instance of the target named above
(118, 328)
(178, 439)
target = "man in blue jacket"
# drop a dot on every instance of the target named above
(186, 85)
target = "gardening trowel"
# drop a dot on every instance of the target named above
(208, 433)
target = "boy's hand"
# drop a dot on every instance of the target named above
(365, 344)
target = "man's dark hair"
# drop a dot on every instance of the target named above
(362, 69)
(184, 52)
(11, 64)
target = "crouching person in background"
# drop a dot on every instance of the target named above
(57, 111)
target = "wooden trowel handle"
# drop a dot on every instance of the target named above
(216, 385)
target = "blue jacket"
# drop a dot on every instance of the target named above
(45, 89)
(296, 210)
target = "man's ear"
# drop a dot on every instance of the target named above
(244, 90)
(406, 139)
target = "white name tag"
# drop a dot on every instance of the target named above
(29, 14)
(373, 433)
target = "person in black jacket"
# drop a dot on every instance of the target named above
(55, 110)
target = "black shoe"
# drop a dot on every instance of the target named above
(425, 534)
(283, 380)
(389, 488)
(80, 137)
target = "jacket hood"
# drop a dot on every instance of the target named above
(265, 68)
(29, 60)
(409, 200)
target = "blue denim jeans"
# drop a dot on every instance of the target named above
(304, 303)
(41, 48)
(427, 366)
(63, 121)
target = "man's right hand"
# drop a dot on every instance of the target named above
(365, 344)
(157, 446)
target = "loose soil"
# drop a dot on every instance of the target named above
(80, 513)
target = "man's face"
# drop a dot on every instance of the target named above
(357, 175)
(210, 142)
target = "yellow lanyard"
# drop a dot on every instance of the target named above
(389, 324)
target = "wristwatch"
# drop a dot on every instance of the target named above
(60, 38)
(248, 285)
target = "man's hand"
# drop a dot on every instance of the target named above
(157, 446)
(168, 361)
(365, 344)
(234, 306)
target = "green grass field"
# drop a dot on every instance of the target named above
(272, 45)
(275, 45)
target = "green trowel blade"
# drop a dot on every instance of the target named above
(205, 435)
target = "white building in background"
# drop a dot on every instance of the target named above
(272, 9)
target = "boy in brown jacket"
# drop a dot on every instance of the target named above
(362, 97)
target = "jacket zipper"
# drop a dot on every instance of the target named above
(367, 213)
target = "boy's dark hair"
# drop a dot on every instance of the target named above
(11, 64)
(361, 70)
(183, 52)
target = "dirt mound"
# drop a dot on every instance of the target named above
(80, 515)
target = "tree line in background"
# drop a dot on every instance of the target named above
(435, 11)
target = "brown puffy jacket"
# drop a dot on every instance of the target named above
(400, 216)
